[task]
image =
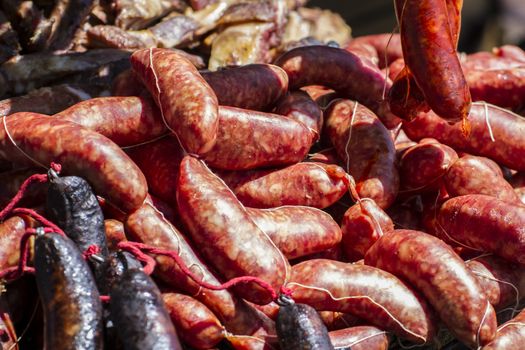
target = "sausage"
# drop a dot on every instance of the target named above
(249, 139)
(11, 232)
(422, 166)
(349, 75)
(503, 282)
(119, 262)
(472, 175)
(510, 51)
(299, 327)
(297, 230)
(232, 244)
(124, 120)
(299, 106)
(506, 128)
(73, 206)
(364, 50)
(252, 342)
(159, 162)
(173, 81)
(367, 148)
(363, 224)
(359, 338)
(387, 46)
(10, 182)
(114, 233)
(310, 184)
(434, 269)
(147, 225)
(196, 325)
(429, 44)
(510, 336)
(338, 320)
(485, 223)
(405, 98)
(237, 86)
(139, 314)
(69, 297)
(374, 295)
(80, 151)
(517, 181)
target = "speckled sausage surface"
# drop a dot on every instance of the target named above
(485, 223)
(472, 175)
(126, 121)
(376, 296)
(506, 127)
(359, 338)
(11, 231)
(510, 336)
(309, 184)
(363, 224)
(432, 267)
(297, 230)
(232, 243)
(187, 103)
(196, 325)
(250, 139)
(387, 46)
(367, 148)
(252, 86)
(80, 151)
(299, 106)
(147, 225)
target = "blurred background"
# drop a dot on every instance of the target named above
(486, 23)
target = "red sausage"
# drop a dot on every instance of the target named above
(387, 46)
(297, 230)
(363, 224)
(503, 282)
(429, 50)
(367, 148)
(187, 103)
(506, 148)
(249, 139)
(159, 161)
(510, 336)
(510, 51)
(252, 86)
(11, 232)
(231, 242)
(114, 233)
(485, 223)
(359, 338)
(309, 184)
(299, 106)
(518, 183)
(440, 274)
(196, 325)
(147, 225)
(80, 151)
(374, 295)
(472, 175)
(124, 120)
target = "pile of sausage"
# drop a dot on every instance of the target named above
(381, 184)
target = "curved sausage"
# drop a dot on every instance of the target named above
(372, 294)
(510, 336)
(114, 233)
(11, 232)
(359, 338)
(187, 103)
(387, 45)
(80, 151)
(367, 148)
(232, 243)
(299, 106)
(431, 266)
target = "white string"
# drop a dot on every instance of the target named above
(145, 142)
(350, 136)
(20, 149)
(487, 122)
(481, 324)
(517, 292)
(359, 341)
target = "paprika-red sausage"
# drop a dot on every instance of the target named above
(299, 106)
(510, 336)
(431, 266)
(359, 338)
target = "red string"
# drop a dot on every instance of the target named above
(91, 250)
(104, 298)
(149, 262)
(39, 218)
(21, 192)
(132, 247)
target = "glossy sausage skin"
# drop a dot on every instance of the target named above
(80, 151)
(374, 295)
(299, 327)
(472, 175)
(387, 46)
(359, 338)
(124, 120)
(485, 223)
(369, 154)
(147, 225)
(232, 243)
(139, 314)
(250, 139)
(196, 325)
(70, 299)
(297, 230)
(299, 106)
(510, 336)
(507, 128)
(238, 86)
(432, 267)
(11, 231)
(187, 103)
(309, 184)
(429, 50)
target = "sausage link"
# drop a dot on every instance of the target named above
(359, 338)
(114, 233)
(510, 336)
(11, 231)
(299, 106)
(387, 46)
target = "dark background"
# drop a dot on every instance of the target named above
(479, 28)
